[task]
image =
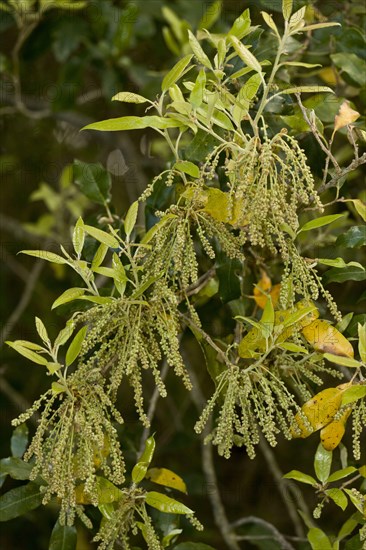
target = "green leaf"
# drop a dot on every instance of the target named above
(348, 527)
(353, 238)
(351, 64)
(305, 89)
(19, 501)
(338, 497)
(188, 168)
(297, 316)
(140, 469)
(286, 9)
(130, 219)
(19, 440)
(269, 20)
(301, 477)
(75, 346)
(211, 15)
(241, 25)
(94, 181)
(198, 51)
(41, 329)
(102, 236)
(129, 97)
(320, 222)
(342, 325)
(78, 237)
(336, 275)
(319, 540)
(15, 467)
(29, 354)
(68, 296)
(63, 537)
(64, 334)
(246, 55)
(196, 95)
(362, 341)
(338, 263)
(354, 393)
(268, 316)
(339, 360)
(119, 272)
(356, 499)
(290, 346)
(166, 504)
(322, 463)
(176, 72)
(99, 256)
(317, 26)
(341, 474)
(132, 123)
(45, 255)
(300, 64)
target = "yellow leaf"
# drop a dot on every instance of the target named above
(327, 339)
(166, 477)
(346, 115)
(319, 411)
(251, 344)
(310, 317)
(223, 207)
(263, 289)
(101, 452)
(328, 75)
(331, 435)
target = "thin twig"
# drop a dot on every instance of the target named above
(16, 398)
(24, 300)
(208, 467)
(315, 132)
(285, 545)
(281, 483)
(152, 407)
(335, 179)
(206, 337)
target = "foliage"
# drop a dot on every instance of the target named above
(236, 206)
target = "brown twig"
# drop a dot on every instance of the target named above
(281, 483)
(276, 535)
(208, 467)
(24, 300)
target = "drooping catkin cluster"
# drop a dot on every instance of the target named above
(249, 402)
(128, 337)
(299, 371)
(358, 425)
(271, 179)
(74, 428)
(173, 253)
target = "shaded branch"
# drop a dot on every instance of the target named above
(285, 545)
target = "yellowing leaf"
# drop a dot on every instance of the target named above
(319, 411)
(166, 477)
(327, 339)
(264, 288)
(346, 115)
(251, 344)
(331, 435)
(100, 453)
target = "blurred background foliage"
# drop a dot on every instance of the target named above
(59, 67)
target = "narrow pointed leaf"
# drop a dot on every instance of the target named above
(176, 72)
(63, 537)
(166, 504)
(102, 236)
(68, 296)
(19, 501)
(129, 97)
(75, 346)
